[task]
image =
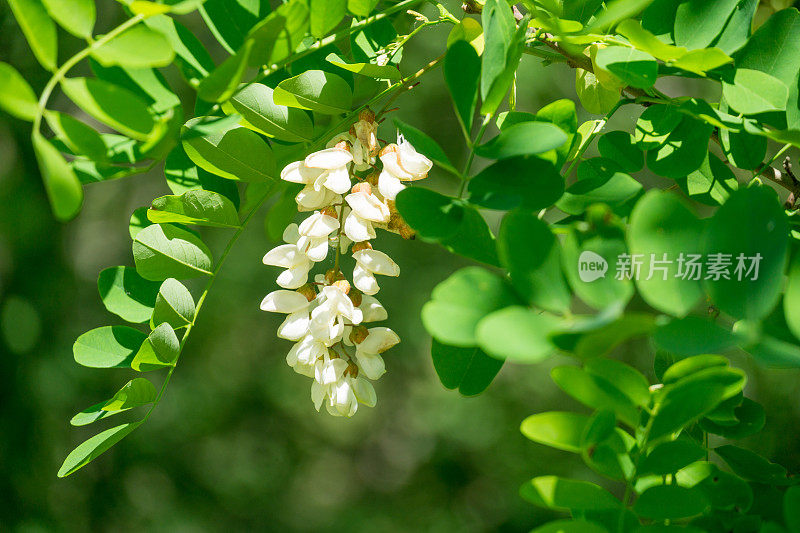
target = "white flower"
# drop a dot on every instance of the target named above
(294, 304)
(368, 351)
(401, 162)
(304, 355)
(290, 257)
(328, 318)
(368, 263)
(371, 309)
(314, 232)
(362, 159)
(324, 174)
(365, 208)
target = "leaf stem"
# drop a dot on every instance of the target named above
(595, 131)
(464, 175)
(202, 299)
(59, 74)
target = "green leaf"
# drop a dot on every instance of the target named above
(552, 492)
(633, 67)
(39, 29)
(279, 34)
(686, 367)
(751, 222)
(601, 342)
(469, 370)
(701, 61)
(174, 305)
(662, 228)
(620, 147)
(361, 8)
(772, 49)
(126, 294)
(529, 182)
(458, 303)
(203, 208)
(751, 92)
(163, 251)
(693, 397)
(159, 350)
(647, 42)
(751, 466)
(62, 185)
(526, 138)
(570, 526)
(595, 392)
(473, 239)
(75, 16)
(531, 254)
(698, 23)
(750, 419)
(694, 336)
(315, 90)
(599, 181)
(235, 153)
(790, 308)
(81, 138)
(517, 333)
(742, 149)
(231, 20)
(683, 149)
(561, 113)
(112, 105)
(425, 145)
(136, 392)
(379, 72)
(670, 502)
(655, 125)
(224, 80)
(254, 103)
(137, 47)
(326, 15)
(182, 175)
(560, 430)
(16, 96)
(616, 11)
(711, 184)
(192, 58)
(108, 347)
(148, 84)
(138, 222)
(462, 68)
(501, 52)
(93, 447)
(601, 291)
(669, 457)
(594, 97)
(432, 215)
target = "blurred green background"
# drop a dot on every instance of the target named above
(236, 443)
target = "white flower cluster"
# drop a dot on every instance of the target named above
(326, 318)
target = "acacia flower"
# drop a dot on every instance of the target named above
(290, 257)
(324, 174)
(401, 162)
(368, 263)
(296, 305)
(330, 317)
(365, 208)
(314, 232)
(368, 351)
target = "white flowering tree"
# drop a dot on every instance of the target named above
(682, 229)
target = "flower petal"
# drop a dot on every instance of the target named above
(295, 327)
(391, 164)
(284, 302)
(412, 161)
(329, 158)
(389, 186)
(372, 309)
(364, 280)
(357, 229)
(284, 256)
(365, 392)
(371, 364)
(338, 180)
(295, 277)
(318, 225)
(379, 340)
(368, 206)
(377, 262)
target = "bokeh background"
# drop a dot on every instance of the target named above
(236, 444)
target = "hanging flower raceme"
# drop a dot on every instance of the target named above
(325, 318)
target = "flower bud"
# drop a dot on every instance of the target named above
(356, 296)
(342, 285)
(362, 187)
(330, 211)
(358, 334)
(363, 245)
(308, 291)
(332, 276)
